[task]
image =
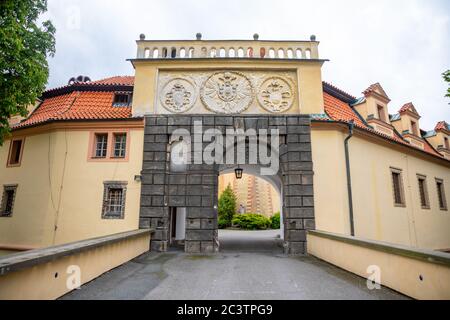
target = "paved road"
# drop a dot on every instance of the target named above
(250, 266)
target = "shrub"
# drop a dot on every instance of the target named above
(275, 221)
(251, 221)
(223, 223)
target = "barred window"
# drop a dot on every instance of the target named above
(114, 200)
(101, 145)
(397, 186)
(120, 145)
(423, 192)
(9, 194)
(441, 194)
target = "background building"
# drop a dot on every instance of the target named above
(254, 194)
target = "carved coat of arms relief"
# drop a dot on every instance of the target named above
(178, 95)
(276, 95)
(227, 92)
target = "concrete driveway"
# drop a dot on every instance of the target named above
(250, 266)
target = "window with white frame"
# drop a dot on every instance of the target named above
(120, 145)
(101, 145)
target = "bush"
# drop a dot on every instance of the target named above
(223, 223)
(275, 221)
(251, 221)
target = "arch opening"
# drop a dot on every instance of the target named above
(257, 223)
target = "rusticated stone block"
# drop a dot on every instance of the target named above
(192, 247)
(294, 224)
(207, 247)
(209, 224)
(295, 213)
(200, 235)
(159, 246)
(193, 224)
(295, 248)
(309, 224)
(296, 235)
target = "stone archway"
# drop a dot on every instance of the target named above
(195, 188)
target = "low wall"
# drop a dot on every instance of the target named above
(420, 274)
(44, 273)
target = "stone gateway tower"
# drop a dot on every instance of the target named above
(193, 94)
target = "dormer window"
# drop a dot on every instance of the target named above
(381, 113)
(122, 100)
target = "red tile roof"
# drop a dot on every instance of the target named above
(117, 80)
(338, 110)
(442, 125)
(408, 107)
(373, 88)
(94, 101)
(81, 105)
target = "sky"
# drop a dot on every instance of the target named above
(403, 44)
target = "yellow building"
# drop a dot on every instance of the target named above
(91, 158)
(55, 184)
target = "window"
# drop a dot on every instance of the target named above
(101, 145)
(414, 128)
(122, 100)
(446, 144)
(423, 192)
(441, 194)
(109, 145)
(397, 185)
(381, 115)
(120, 145)
(15, 152)
(114, 200)
(9, 194)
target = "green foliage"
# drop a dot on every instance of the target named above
(446, 76)
(25, 46)
(223, 223)
(251, 221)
(227, 207)
(275, 221)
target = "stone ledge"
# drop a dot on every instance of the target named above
(418, 254)
(31, 258)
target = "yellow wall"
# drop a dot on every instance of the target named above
(59, 159)
(310, 96)
(28, 225)
(41, 283)
(375, 215)
(398, 272)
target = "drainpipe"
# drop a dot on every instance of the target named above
(351, 125)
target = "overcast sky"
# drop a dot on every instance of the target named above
(403, 44)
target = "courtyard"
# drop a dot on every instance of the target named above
(250, 265)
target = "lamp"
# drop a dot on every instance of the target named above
(238, 172)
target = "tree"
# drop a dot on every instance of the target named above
(25, 46)
(446, 76)
(227, 207)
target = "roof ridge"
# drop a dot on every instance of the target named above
(337, 93)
